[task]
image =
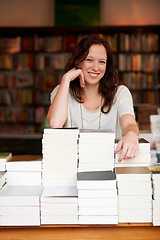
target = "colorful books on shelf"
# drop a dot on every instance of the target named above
(134, 194)
(59, 205)
(10, 45)
(24, 170)
(96, 150)
(145, 42)
(143, 157)
(59, 163)
(4, 157)
(97, 197)
(20, 205)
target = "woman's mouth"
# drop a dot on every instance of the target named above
(93, 75)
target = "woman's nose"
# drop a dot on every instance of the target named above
(95, 66)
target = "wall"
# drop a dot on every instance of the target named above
(130, 12)
(113, 12)
(26, 13)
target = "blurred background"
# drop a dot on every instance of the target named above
(36, 40)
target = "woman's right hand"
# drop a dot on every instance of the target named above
(74, 73)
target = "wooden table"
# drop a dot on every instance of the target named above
(82, 232)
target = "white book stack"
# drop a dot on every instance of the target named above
(4, 157)
(143, 157)
(97, 197)
(24, 170)
(156, 197)
(59, 163)
(59, 205)
(20, 205)
(134, 194)
(3, 177)
(96, 150)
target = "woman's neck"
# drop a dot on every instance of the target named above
(90, 92)
(92, 98)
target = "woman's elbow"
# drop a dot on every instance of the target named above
(53, 123)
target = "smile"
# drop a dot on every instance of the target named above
(93, 74)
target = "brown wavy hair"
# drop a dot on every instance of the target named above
(108, 83)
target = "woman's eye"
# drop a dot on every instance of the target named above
(89, 60)
(102, 62)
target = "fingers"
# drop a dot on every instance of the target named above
(119, 146)
(128, 152)
(81, 80)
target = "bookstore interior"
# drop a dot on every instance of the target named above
(38, 188)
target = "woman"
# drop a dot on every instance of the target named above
(89, 96)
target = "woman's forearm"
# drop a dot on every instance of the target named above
(58, 110)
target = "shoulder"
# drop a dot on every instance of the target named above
(122, 92)
(53, 93)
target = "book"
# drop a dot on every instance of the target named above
(3, 176)
(60, 202)
(96, 150)
(19, 211)
(156, 193)
(98, 219)
(98, 210)
(25, 220)
(24, 178)
(134, 194)
(97, 197)
(45, 219)
(95, 202)
(20, 195)
(59, 162)
(135, 191)
(143, 157)
(97, 193)
(135, 219)
(20, 205)
(135, 202)
(24, 163)
(59, 191)
(4, 157)
(133, 174)
(135, 184)
(96, 180)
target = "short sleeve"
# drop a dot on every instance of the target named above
(53, 93)
(124, 105)
(124, 101)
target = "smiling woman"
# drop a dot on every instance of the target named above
(90, 96)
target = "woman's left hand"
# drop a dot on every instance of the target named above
(128, 145)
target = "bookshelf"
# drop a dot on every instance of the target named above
(32, 61)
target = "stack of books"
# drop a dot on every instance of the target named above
(96, 150)
(59, 205)
(134, 194)
(156, 195)
(143, 157)
(59, 163)
(4, 157)
(20, 205)
(97, 197)
(3, 177)
(158, 151)
(24, 170)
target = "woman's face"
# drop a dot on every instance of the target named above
(94, 66)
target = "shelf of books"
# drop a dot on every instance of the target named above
(32, 61)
